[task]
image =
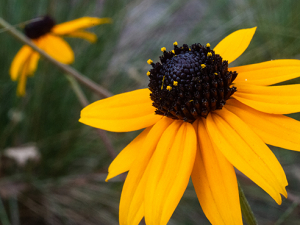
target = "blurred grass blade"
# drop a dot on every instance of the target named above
(286, 214)
(3, 214)
(14, 210)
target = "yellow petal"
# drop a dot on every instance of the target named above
(21, 89)
(137, 205)
(274, 99)
(232, 46)
(247, 152)
(121, 113)
(277, 130)
(57, 48)
(78, 24)
(267, 73)
(131, 193)
(169, 172)
(126, 157)
(18, 62)
(283, 90)
(34, 58)
(215, 182)
(159, 157)
(91, 37)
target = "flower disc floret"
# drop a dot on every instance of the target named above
(190, 82)
(39, 28)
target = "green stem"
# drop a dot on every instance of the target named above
(246, 209)
(84, 102)
(67, 69)
(77, 90)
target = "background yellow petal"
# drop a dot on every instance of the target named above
(137, 171)
(170, 170)
(57, 48)
(277, 130)
(78, 24)
(91, 37)
(21, 89)
(215, 183)
(267, 73)
(126, 157)
(120, 113)
(18, 62)
(34, 58)
(247, 152)
(232, 46)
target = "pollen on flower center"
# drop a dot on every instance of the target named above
(39, 28)
(190, 82)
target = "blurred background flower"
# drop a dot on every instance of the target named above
(45, 33)
(66, 184)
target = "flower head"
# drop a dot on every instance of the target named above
(207, 87)
(213, 119)
(45, 33)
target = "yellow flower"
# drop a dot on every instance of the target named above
(46, 35)
(215, 119)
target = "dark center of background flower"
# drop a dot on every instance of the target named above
(39, 28)
(190, 82)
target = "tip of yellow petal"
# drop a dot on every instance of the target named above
(163, 49)
(233, 46)
(103, 20)
(20, 94)
(175, 43)
(253, 29)
(285, 194)
(109, 176)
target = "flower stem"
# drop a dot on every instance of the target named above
(84, 102)
(246, 209)
(77, 90)
(67, 69)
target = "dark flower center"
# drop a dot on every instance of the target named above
(39, 28)
(190, 82)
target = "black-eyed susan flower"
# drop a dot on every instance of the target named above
(46, 35)
(212, 119)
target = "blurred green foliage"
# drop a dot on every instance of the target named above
(66, 186)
